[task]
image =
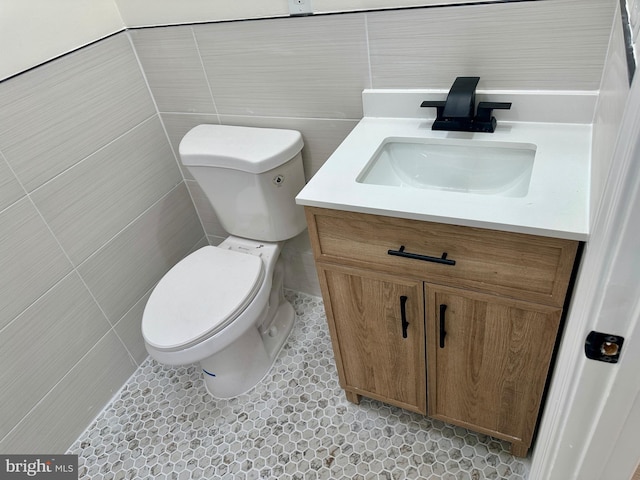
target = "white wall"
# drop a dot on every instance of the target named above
(34, 31)
(138, 13)
(576, 392)
(612, 98)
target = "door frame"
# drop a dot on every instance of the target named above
(593, 408)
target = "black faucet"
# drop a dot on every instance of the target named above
(461, 100)
(457, 112)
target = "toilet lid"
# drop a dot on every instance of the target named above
(199, 296)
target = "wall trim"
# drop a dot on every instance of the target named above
(207, 22)
(62, 55)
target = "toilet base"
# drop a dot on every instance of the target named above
(244, 363)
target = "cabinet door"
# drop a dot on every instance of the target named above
(488, 361)
(377, 329)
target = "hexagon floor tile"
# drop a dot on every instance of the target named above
(295, 424)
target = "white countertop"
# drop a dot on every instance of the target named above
(556, 205)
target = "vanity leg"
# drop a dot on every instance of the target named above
(519, 449)
(352, 397)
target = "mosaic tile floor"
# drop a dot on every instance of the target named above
(296, 424)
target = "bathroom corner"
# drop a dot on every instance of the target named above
(95, 207)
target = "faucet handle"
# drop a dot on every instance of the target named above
(484, 109)
(438, 104)
(484, 121)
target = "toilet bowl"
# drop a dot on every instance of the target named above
(223, 306)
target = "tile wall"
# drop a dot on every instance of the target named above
(307, 73)
(94, 207)
(93, 211)
(612, 99)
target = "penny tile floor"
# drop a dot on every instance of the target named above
(295, 424)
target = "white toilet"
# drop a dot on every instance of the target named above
(223, 306)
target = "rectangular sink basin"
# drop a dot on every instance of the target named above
(458, 165)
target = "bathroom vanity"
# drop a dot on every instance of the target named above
(477, 335)
(445, 301)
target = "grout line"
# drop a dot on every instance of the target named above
(58, 383)
(366, 33)
(109, 404)
(14, 319)
(74, 268)
(143, 73)
(323, 119)
(162, 123)
(131, 357)
(24, 190)
(106, 145)
(204, 71)
(195, 207)
(153, 99)
(144, 212)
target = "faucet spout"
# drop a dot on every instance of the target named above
(461, 100)
(458, 112)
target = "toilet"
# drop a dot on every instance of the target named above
(223, 306)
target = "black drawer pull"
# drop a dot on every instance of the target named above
(443, 333)
(403, 315)
(401, 253)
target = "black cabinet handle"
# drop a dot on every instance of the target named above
(443, 333)
(403, 315)
(401, 253)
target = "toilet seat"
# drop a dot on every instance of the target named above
(200, 296)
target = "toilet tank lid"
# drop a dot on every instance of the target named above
(253, 150)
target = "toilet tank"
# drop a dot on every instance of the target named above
(251, 176)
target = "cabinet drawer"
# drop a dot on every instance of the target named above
(517, 265)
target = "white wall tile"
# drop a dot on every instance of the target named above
(32, 261)
(56, 115)
(321, 135)
(70, 406)
(300, 272)
(71, 121)
(129, 329)
(177, 125)
(41, 345)
(132, 262)
(205, 210)
(10, 188)
(173, 68)
(303, 66)
(557, 44)
(92, 201)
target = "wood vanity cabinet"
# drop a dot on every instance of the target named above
(458, 323)
(378, 335)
